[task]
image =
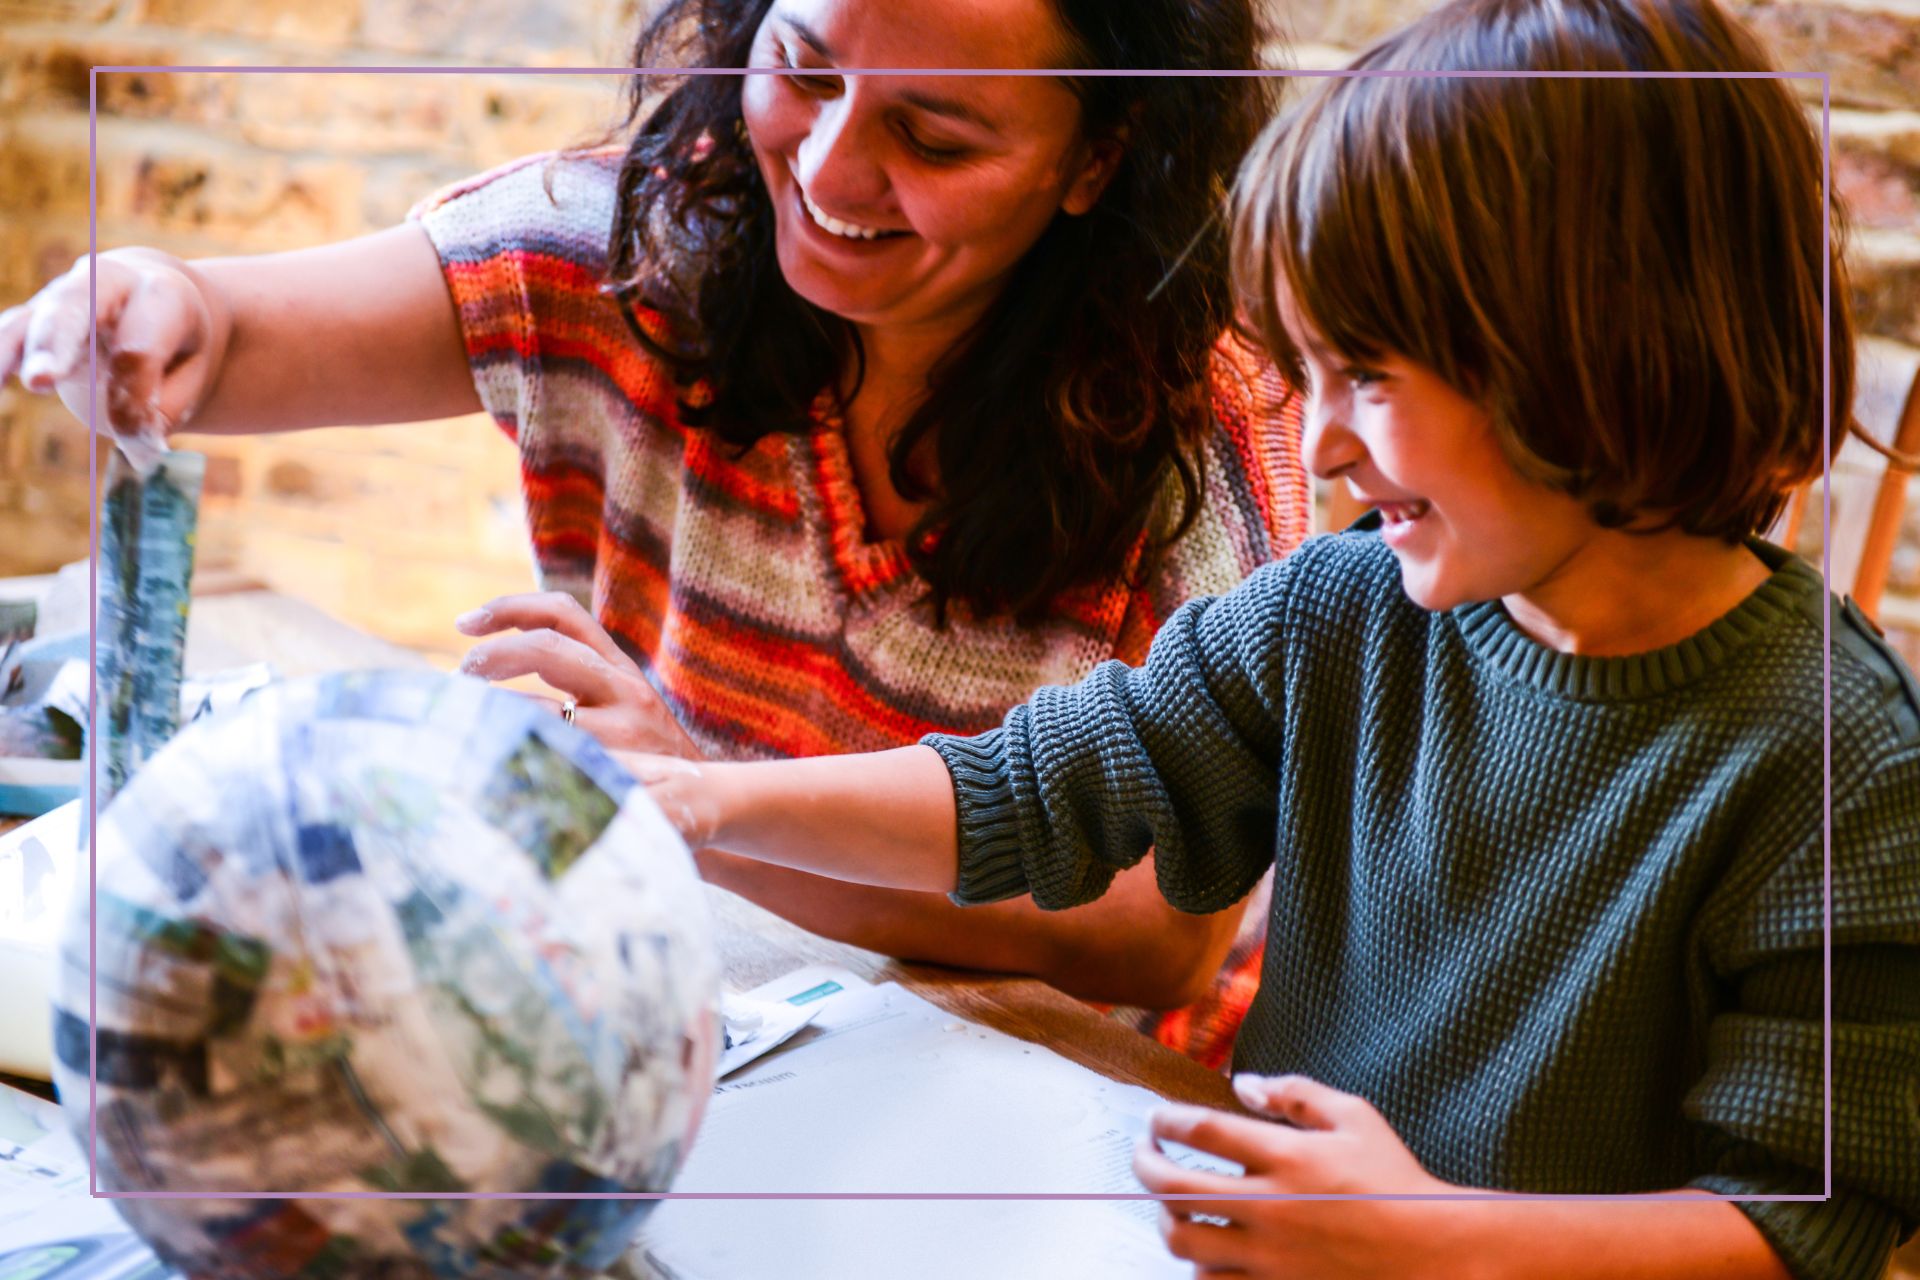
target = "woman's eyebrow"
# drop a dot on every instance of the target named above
(808, 36)
(952, 108)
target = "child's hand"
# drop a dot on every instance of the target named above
(1341, 1146)
(562, 644)
(683, 791)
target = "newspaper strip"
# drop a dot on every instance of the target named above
(146, 569)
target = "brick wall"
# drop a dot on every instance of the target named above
(396, 530)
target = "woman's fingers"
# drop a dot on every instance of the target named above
(13, 339)
(561, 644)
(561, 661)
(154, 355)
(544, 611)
(152, 326)
(56, 341)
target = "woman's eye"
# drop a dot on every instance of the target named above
(930, 150)
(806, 83)
(814, 84)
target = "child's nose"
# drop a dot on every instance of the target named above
(835, 161)
(1330, 449)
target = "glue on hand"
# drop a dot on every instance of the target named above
(129, 339)
(139, 431)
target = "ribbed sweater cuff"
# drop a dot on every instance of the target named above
(1849, 1237)
(990, 864)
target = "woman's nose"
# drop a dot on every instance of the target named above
(1330, 447)
(835, 162)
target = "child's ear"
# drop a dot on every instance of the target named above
(1101, 162)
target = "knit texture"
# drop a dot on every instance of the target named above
(1558, 918)
(746, 586)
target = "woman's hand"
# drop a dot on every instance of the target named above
(561, 643)
(162, 338)
(1329, 1143)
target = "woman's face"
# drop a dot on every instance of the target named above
(900, 200)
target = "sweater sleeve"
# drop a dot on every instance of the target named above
(1762, 1099)
(480, 229)
(1179, 755)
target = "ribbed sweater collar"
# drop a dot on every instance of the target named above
(1492, 636)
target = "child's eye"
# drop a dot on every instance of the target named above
(1361, 376)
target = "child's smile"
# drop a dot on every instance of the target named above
(1399, 518)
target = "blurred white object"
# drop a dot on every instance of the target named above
(40, 865)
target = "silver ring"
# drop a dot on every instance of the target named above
(567, 709)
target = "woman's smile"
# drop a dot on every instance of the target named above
(906, 201)
(843, 228)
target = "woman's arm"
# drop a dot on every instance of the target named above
(356, 333)
(1128, 947)
(353, 334)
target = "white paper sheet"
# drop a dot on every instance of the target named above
(49, 1226)
(887, 1093)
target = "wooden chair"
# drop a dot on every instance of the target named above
(1887, 424)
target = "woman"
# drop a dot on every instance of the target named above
(851, 407)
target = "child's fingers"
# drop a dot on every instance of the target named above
(1255, 1145)
(1163, 1176)
(543, 611)
(1299, 1101)
(1210, 1245)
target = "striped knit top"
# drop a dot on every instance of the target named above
(746, 586)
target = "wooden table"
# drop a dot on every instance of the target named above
(241, 623)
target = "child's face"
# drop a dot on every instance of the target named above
(1464, 524)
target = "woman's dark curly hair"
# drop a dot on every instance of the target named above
(1055, 425)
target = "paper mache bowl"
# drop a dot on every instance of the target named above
(390, 932)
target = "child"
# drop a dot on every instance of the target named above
(1536, 752)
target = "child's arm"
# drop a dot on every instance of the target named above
(1334, 1143)
(882, 819)
(1180, 756)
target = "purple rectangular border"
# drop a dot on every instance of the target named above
(1826, 565)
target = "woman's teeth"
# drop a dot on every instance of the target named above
(1402, 512)
(849, 230)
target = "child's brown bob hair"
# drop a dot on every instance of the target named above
(1626, 273)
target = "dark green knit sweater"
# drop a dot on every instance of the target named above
(1558, 918)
